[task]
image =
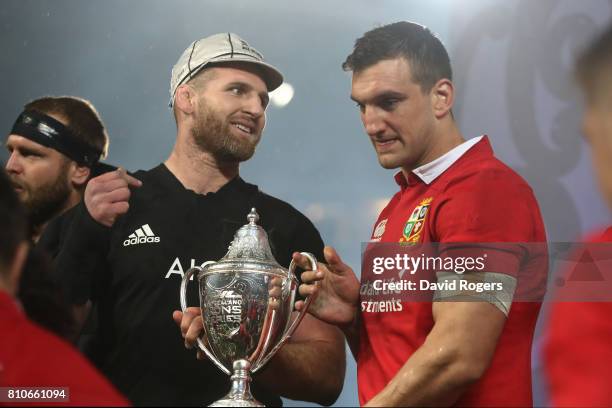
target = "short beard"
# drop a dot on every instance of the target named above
(213, 135)
(47, 202)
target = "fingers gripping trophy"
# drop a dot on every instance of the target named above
(247, 301)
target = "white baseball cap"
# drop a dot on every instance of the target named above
(224, 47)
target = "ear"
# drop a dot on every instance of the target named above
(79, 174)
(184, 99)
(16, 267)
(442, 97)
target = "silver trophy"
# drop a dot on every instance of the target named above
(247, 302)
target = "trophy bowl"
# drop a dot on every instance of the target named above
(247, 301)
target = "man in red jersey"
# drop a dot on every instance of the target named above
(578, 345)
(464, 348)
(29, 355)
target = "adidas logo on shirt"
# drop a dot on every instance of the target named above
(143, 235)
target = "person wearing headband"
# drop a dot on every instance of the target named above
(138, 234)
(53, 147)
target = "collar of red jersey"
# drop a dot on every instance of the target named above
(432, 170)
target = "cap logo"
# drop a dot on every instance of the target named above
(245, 46)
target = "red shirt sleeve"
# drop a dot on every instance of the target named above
(493, 207)
(578, 350)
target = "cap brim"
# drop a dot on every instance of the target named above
(271, 76)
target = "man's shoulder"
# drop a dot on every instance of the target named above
(486, 175)
(51, 239)
(52, 351)
(288, 228)
(55, 362)
(487, 201)
(155, 182)
(151, 176)
(280, 210)
(276, 203)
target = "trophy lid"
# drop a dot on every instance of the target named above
(250, 243)
(249, 250)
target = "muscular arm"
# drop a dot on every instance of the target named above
(310, 366)
(455, 354)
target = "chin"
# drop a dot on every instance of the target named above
(385, 163)
(22, 196)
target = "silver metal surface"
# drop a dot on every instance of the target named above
(247, 302)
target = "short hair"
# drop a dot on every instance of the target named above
(594, 65)
(199, 81)
(13, 222)
(82, 118)
(422, 49)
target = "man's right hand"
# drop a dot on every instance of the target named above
(191, 326)
(336, 295)
(107, 196)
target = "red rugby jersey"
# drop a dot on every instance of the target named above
(477, 199)
(33, 357)
(578, 351)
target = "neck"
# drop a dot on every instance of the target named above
(447, 136)
(197, 170)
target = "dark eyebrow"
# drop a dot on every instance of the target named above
(34, 150)
(389, 95)
(26, 151)
(239, 83)
(381, 96)
(394, 94)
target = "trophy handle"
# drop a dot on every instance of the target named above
(300, 316)
(183, 293)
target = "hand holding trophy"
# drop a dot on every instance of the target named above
(247, 301)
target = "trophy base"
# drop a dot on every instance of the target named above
(240, 393)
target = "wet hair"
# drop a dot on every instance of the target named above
(81, 117)
(421, 48)
(594, 65)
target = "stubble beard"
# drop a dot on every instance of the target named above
(47, 201)
(213, 135)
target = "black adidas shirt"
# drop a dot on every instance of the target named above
(134, 270)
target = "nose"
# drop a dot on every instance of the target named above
(254, 107)
(372, 121)
(13, 164)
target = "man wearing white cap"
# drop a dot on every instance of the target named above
(139, 234)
